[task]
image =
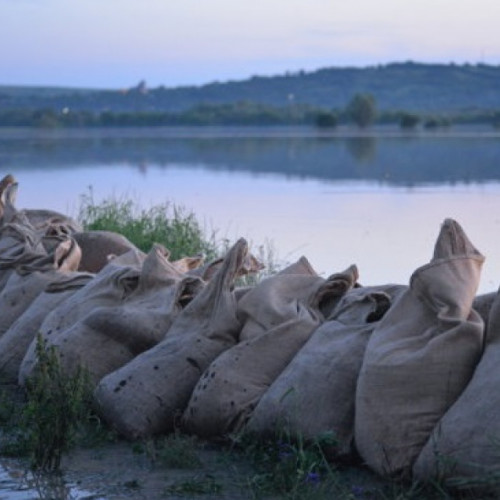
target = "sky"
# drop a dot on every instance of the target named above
(117, 43)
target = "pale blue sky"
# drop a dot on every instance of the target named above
(116, 43)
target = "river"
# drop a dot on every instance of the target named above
(375, 199)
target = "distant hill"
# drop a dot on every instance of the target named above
(399, 86)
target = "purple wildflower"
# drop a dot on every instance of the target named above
(313, 478)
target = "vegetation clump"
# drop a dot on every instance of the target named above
(171, 225)
(56, 406)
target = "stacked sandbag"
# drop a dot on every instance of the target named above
(99, 246)
(40, 219)
(274, 300)
(280, 314)
(251, 265)
(314, 395)
(482, 305)
(20, 243)
(29, 280)
(118, 279)
(111, 335)
(16, 341)
(420, 357)
(465, 444)
(147, 395)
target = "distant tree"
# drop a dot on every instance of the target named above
(496, 119)
(408, 120)
(326, 119)
(362, 110)
(437, 122)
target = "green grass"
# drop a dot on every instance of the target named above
(204, 484)
(173, 226)
(174, 451)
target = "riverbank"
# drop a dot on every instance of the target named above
(103, 466)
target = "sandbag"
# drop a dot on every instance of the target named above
(465, 443)
(110, 336)
(314, 395)
(482, 305)
(420, 357)
(283, 310)
(98, 246)
(117, 280)
(40, 219)
(149, 393)
(250, 266)
(274, 300)
(16, 340)
(30, 279)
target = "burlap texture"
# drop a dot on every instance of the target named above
(283, 310)
(147, 395)
(118, 279)
(98, 246)
(17, 339)
(420, 357)
(315, 394)
(465, 443)
(110, 336)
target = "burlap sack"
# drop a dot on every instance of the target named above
(482, 304)
(112, 335)
(465, 444)
(98, 246)
(420, 357)
(15, 342)
(40, 219)
(19, 245)
(116, 281)
(315, 393)
(274, 300)
(147, 395)
(250, 266)
(284, 309)
(30, 279)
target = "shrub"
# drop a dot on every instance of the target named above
(408, 121)
(326, 120)
(56, 405)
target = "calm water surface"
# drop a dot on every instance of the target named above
(376, 201)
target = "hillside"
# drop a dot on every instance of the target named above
(398, 86)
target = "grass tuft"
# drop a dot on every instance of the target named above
(176, 228)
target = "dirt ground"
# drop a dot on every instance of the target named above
(118, 472)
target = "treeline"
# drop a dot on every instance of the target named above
(240, 113)
(415, 87)
(361, 111)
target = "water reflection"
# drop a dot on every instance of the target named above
(406, 160)
(376, 202)
(362, 149)
(17, 482)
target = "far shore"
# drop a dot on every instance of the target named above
(343, 131)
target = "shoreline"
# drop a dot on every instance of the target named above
(209, 131)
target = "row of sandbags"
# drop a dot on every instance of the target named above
(404, 375)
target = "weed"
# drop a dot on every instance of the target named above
(168, 224)
(197, 485)
(133, 484)
(92, 432)
(290, 467)
(56, 405)
(175, 451)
